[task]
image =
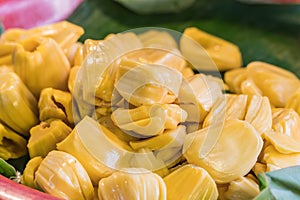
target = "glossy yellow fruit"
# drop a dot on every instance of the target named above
(28, 176)
(132, 183)
(276, 83)
(234, 79)
(61, 175)
(190, 182)
(242, 188)
(45, 136)
(18, 107)
(149, 121)
(55, 104)
(285, 135)
(39, 69)
(12, 145)
(230, 107)
(95, 168)
(224, 54)
(276, 160)
(233, 155)
(259, 114)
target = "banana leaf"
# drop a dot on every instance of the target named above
(280, 184)
(269, 33)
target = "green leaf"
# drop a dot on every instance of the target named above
(156, 6)
(280, 184)
(1, 28)
(6, 169)
(269, 33)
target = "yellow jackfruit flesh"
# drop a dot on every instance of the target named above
(158, 39)
(132, 183)
(64, 33)
(233, 106)
(18, 107)
(199, 95)
(159, 56)
(190, 182)
(294, 101)
(242, 188)
(100, 60)
(259, 114)
(28, 176)
(38, 68)
(285, 135)
(276, 83)
(7, 49)
(11, 35)
(276, 160)
(12, 145)
(72, 78)
(55, 104)
(107, 122)
(45, 136)
(134, 84)
(61, 175)
(248, 87)
(95, 168)
(224, 54)
(149, 120)
(233, 155)
(234, 79)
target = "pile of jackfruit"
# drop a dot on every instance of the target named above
(128, 117)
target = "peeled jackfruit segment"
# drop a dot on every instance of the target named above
(166, 149)
(38, 68)
(62, 175)
(285, 135)
(158, 39)
(150, 162)
(147, 121)
(187, 72)
(7, 49)
(198, 95)
(12, 145)
(242, 188)
(276, 83)
(144, 94)
(144, 75)
(169, 138)
(259, 114)
(55, 104)
(63, 32)
(5, 69)
(134, 183)
(294, 101)
(107, 122)
(234, 79)
(18, 107)
(75, 54)
(276, 160)
(45, 136)
(28, 175)
(229, 107)
(72, 78)
(74, 146)
(248, 87)
(164, 56)
(224, 54)
(11, 35)
(190, 182)
(101, 60)
(233, 155)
